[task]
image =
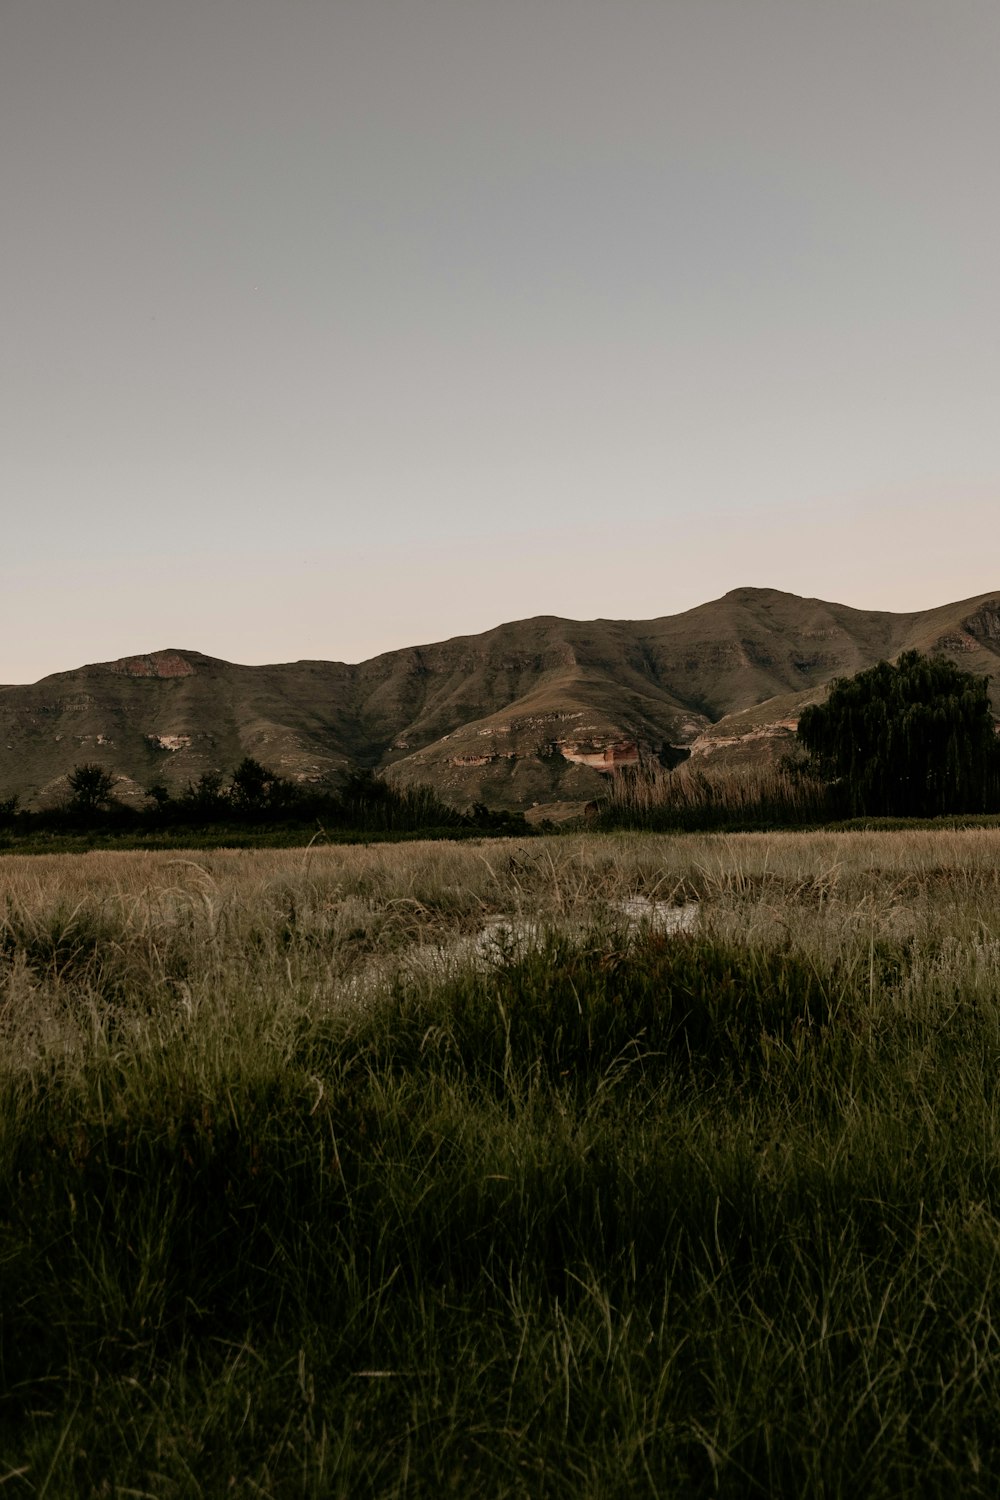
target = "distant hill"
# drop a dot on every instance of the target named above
(533, 712)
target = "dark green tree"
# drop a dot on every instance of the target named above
(90, 787)
(205, 797)
(914, 739)
(256, 788)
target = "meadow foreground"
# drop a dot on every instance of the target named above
(600, 1166)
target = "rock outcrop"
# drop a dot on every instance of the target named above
(157, 664)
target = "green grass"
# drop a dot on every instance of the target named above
(225, 838)
(618, 1214)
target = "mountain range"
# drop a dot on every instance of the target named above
(533, 713)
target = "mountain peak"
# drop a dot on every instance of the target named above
(534, 711)
(748, 594)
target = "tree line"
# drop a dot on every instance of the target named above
(254, 796)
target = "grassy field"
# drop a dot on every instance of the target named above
(454, 1169)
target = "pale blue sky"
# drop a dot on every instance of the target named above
(331, 326)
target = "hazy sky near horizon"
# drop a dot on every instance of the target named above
(332, 326)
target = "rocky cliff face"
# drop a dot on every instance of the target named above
(536, 712)
(158, 664)
(984, 624)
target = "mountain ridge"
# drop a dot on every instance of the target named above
(530, 712)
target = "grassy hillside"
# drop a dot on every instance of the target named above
(533, 711)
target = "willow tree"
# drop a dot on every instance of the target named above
(913, 739)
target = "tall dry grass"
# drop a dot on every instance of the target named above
(695, 797)
(299, 1194)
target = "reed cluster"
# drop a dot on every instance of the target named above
(691, 798)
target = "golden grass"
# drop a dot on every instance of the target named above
(707, 1217)
(471, 875)
(316, 917)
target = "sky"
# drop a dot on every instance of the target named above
(336, 326)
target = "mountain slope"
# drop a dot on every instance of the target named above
(968, 633)
(530, 712)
